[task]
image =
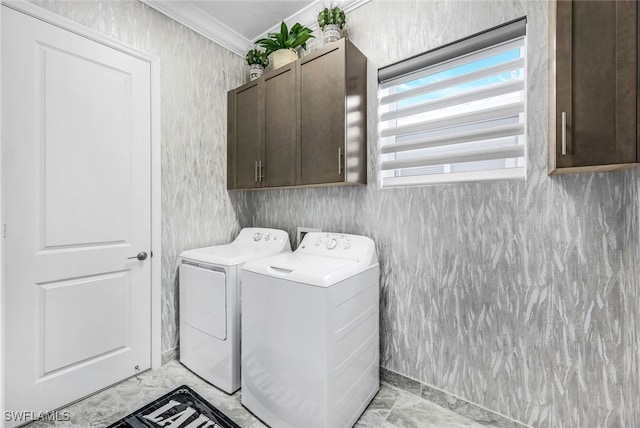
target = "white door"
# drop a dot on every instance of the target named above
(76, 165)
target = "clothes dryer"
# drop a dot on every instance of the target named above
(310, 333)
(210, 303)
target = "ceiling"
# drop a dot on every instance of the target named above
(236, 24)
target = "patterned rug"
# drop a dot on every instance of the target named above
(180, 408)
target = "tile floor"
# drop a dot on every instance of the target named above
(392, 407)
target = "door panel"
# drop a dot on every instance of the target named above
(596, 82)
(205, 303)
(76, 170)
(247, 136)
(74, 310)
(86, 169)
(280, 109)
(322, 97)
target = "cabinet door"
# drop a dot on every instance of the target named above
(322, 117)
(596, 83)
(246, 136)
(279, 151)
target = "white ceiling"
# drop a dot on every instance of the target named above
(236, 24)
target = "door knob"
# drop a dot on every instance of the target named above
(142, 255)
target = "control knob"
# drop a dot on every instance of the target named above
(257, 236)
(332, 244)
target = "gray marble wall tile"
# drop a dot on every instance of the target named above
(443, 399)
(399, 381)
(170, 355)
(517, 296)
(631, 354)
(195, 77)
(412, 412)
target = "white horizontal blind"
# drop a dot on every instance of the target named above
(462, 119)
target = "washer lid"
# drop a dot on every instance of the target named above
(312, 269)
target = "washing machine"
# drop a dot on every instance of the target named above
(210, 303)
(310, 333)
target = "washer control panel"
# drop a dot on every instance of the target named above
(333, 241)
(336, 244)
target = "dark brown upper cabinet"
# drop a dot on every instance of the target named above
(308, 123)
(261, 132)
(333, 128)
(593, 86)
(278, 160)
(242, 158)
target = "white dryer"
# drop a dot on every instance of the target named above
(310, 333)
(210, 303)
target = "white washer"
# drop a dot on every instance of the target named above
(210, 303)
(310, 333)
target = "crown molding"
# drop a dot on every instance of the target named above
(194, 18)
(308, 15)
(189, 15)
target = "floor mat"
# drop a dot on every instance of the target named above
(180, 408)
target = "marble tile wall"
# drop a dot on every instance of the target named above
(631, 375)
(518, 296)
(448, 401)
(195, 77)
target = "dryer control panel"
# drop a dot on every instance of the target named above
(338, 245)
(262, 236)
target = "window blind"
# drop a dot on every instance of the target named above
(456, 114)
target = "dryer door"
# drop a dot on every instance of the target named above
(203, 293)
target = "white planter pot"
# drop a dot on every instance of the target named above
(331, 33)
(283, 57)
(255, 71)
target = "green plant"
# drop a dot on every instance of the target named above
(286, 39)
(255, 56)
(331, 15)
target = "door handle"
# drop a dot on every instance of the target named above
(142, 255)
(564, 133)
(339, 160)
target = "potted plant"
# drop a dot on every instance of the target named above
(282, 44)
(257, 61)
(331, 20)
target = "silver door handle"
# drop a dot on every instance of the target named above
(564, 132)
(260, 171)
(142, 255)
(339, 160)
(255, 171)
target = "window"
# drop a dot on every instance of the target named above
(456, 113)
